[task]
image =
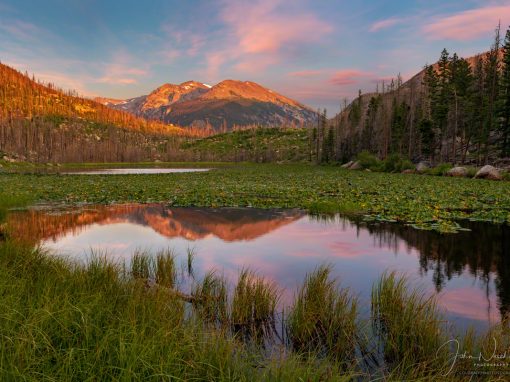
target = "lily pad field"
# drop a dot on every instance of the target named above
(426, 202)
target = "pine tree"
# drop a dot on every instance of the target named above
(427, 125)
(442, 104)
(504, 99)
(492, 88)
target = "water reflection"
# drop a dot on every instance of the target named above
(470, 271)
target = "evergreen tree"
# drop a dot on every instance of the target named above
(504, 99)
(492, 88)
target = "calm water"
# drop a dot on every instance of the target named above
(470, 271)
(127, 171)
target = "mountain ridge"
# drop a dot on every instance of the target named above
(227, 104)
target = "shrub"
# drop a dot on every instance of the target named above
(440, 169)
(471, 172)
(395, 163)
(368, 160)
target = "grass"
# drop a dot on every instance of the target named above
(408, 324)
(424, 201)
(253, 311)
(211, 299)
(62, 321)
(255, 145)
(323, 318)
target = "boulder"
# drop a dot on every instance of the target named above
(488, 172)
(408, 171)
(457, 172)
(355, 166)
(421, 167)
(348, 164)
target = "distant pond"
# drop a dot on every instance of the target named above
(128, 171)
(469, 271)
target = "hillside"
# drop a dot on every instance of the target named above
(220, 107)
(40, 122)
(22, 96)
(446, 112)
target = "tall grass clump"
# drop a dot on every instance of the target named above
(408, 325)
(323, 318)
(210, 298)
(190, 252)
(142, 265)
(165, 269)
(253, 310)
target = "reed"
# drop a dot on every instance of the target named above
(211, 298)
(323, 318)
(408, 325)
(253, 308)
(165, 269)
(142, 265)
(190, 252)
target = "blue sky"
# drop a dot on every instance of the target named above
(318, 52)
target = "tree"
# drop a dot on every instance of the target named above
(492, 87)
(504, 99)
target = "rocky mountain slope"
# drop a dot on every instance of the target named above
(220, 107)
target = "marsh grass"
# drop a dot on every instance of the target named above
(253, 308)
(323, 318)
(191, 253)
(409, 325)
(142, 265)
(211, 299)
(63, 322)
(165, 271)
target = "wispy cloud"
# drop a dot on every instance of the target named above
(467, 25)
(349, 77)
(384, 24)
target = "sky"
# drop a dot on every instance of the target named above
(319, 52)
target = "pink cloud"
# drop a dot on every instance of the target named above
(306, 73)
(260, 34)
(468, 25)
(349, 77)
(383, 24)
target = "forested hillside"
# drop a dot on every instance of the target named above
(457, 110)
(40, 122)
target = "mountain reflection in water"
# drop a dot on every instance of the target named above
(470, 271)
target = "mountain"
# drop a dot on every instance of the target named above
(222, 106)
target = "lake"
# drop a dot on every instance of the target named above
(469, 271)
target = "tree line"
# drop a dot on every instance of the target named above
(456, 110)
